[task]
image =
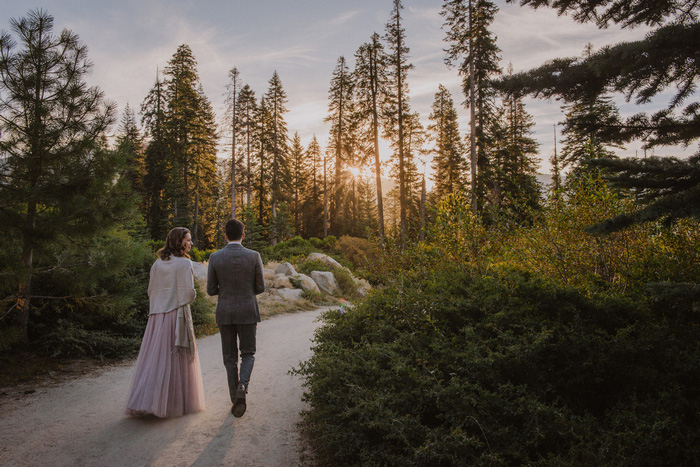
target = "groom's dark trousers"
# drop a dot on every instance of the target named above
(245, 334)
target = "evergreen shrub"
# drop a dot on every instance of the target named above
(295, 247)
(360, 252)
(507, 369)
(305, 267)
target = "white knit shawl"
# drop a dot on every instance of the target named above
(171, 287)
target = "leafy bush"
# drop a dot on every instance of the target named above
(506, 369)
(347, 285)
(203, 314)
(359, 251)
(314, 297)
(305, 267)
(196, 254)
(288, 250)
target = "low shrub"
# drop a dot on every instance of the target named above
(305, 267)
(360, 252)
(315, 297)
(347, 285)
(288, 250)
(506, 369)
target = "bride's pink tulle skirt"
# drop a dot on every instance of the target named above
(165, 383)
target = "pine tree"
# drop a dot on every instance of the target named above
(249, 139)
(641, 70)
(581, 141)
(449, 164)
(312, 207)
(191, 139)
(183, 107)
(232, 107)
(370, 78)
(58, 180)
(473, 49)
(275, 142)
(299, 171)
(202, 171)
(130, 144)
(155, 161)
(340, 116)
(397, 109)
(517, 163)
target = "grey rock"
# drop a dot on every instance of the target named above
(325, 281)
(285, 269)
(304, 282)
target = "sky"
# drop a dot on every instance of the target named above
(129, 40)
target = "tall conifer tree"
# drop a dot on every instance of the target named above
(398, 108)
(340, 116)
(58, 180)
(370, 96)
(249, 139)
(474, 51)
(449, 164)
(275, 142)
(155, 160)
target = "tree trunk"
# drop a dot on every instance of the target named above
(402, 169)
(374, 83)
(472, 113)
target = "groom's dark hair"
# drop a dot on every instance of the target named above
(234, 230)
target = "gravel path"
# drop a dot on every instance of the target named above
(81, 422)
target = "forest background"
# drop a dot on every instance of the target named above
(83, 213)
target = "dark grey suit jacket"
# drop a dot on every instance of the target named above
(236, 275)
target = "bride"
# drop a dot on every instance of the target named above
(167, 381)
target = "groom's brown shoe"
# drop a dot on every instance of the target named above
(239, 406)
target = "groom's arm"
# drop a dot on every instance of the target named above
(259, 276)
(212, 280)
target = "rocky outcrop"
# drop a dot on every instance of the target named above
(325, 259)
(325, 281)
(304, 282)
(285, 269)
(284, 283)
(289, 294)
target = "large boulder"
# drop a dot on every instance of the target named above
(285, 269)
(325, 281)
(324, 259)
(289, 294)
(200, 272)
(304, 282)
(280, 282)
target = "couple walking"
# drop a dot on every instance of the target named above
(167, 380)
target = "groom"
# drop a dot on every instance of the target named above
(236, 276)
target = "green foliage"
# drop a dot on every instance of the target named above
(360, 252)
(203, 314)
(9, 336)
(346, 284)
(535, 345)
(71, 339)
(312, 265)
(288, 250)
(201, 255)
(505, 369)
(315, 297)
(101, 297)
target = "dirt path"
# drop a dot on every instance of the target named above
(81, 422)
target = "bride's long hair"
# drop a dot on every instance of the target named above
(174, 244)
